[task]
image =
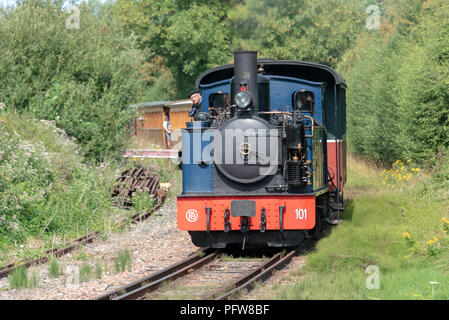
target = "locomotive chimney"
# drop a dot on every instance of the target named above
(245, 75)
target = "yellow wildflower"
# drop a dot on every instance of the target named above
(430, 243)
(444, 221)
(396, 162)
(406, 235)
(409, 160)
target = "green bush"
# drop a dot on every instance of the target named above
(82, 78)
(25, 181)
(45, 188)
(398, 92)
(422, 89)
(372, 117)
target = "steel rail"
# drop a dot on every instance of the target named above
(141, 287)
(262, 273)
(7, 269)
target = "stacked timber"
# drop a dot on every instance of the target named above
(138, 179)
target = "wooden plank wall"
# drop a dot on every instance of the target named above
(150, 129)
(178, 119)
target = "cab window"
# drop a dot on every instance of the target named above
(219, 101)
(304, 101)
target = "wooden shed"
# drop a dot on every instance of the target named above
(150, 118)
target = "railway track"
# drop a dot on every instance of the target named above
(150, 283)
(205, 271)
(7, 269)
(70, 246)
(260, 274)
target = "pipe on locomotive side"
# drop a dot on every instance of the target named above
(245, 73)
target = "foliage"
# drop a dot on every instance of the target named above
(190, 35)
(398, 93)
(142, 202)
(316, 31)
(45, 189)
(19, 279)
(99, 270)
(54, 270)
(423, 88)
(86, 273)
(403, 233)
(122, 261)
(25, 181)
(400, 173)
(82, 78)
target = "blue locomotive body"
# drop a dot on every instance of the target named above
(255, 162)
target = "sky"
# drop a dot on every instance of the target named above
(6, 3)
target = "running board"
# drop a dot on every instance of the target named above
(336, 206)
(333, 221)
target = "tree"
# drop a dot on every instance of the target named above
(398, 93)
(83, 78)
(422, 89)
(316, 31)
(191, 36)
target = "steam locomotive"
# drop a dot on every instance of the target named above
(264, 161)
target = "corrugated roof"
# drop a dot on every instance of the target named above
(180, 103)
(158, 104)
(149, 104)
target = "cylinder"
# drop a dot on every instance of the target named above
(245, 74)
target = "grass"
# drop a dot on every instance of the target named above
(54, 269)
(98, 270)
(86, 273)
(50, 194)
(122, 261)
(372, 234)
(19, 279)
